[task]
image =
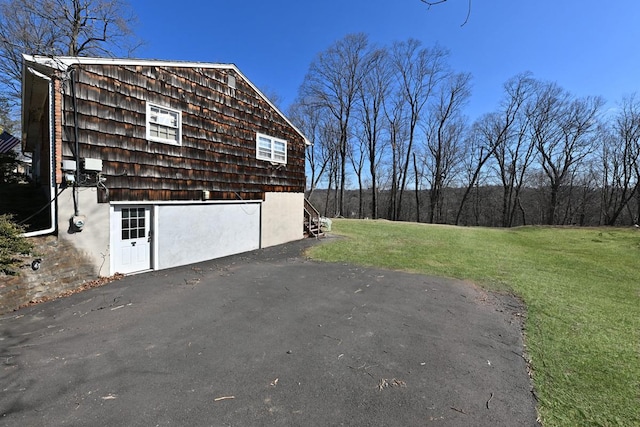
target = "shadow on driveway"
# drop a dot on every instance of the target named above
(268, 338)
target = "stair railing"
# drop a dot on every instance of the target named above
(312, 216)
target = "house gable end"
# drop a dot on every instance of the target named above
(219, 124)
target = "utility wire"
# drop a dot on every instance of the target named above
(42, 208)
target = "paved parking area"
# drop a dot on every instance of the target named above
(268, 338)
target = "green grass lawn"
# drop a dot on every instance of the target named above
(581, 287)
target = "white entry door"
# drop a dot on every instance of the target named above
(132, 243)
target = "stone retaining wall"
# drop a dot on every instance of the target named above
(63, 268)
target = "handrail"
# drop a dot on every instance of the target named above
(310, 207)
(311, 214)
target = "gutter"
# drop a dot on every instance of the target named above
(52, 166)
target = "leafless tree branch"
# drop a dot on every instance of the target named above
(434, 3)
(60, 27)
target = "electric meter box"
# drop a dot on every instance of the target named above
(93, 165)
(68, 165)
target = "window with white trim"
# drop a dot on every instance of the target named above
(133, 223)
(271, 149)
(164, 124)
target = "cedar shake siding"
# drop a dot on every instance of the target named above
(219, 126)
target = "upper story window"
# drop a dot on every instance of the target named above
(164, 124)
(271, 149)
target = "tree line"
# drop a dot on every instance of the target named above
(390, 140)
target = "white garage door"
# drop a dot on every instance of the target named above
(187, 234)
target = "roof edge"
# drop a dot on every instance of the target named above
(63, 62)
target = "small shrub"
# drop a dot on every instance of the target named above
(12, 244)
(8, 163)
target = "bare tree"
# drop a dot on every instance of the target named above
(637, 215)
(60, 27)
(418, 71)
(513, 150)
(333, 178)
(332, 83)
(587, 181)
(477, 151)
(20, 32)
(620, 157)
(7, 122)
(445, 128)
(562, 127)
(381, 127)
(501, 134)
(397, 130)
(373, 94)
(317, 129)
(357, 156)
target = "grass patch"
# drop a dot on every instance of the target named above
(582, 291)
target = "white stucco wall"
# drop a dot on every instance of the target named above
(282, 218)
(192, 233)
(187, 233)
(93, 240)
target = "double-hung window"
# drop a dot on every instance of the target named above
(271, 149)
(164, 124)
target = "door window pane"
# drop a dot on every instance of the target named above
(133, 223)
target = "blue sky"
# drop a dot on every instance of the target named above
(590, 47)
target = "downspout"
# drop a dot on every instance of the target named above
(52, 166)
(76, 151)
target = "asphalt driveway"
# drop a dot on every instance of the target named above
(268, 338)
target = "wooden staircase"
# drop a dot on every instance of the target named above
(312, 226)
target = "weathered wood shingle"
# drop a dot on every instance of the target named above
(219, 126)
